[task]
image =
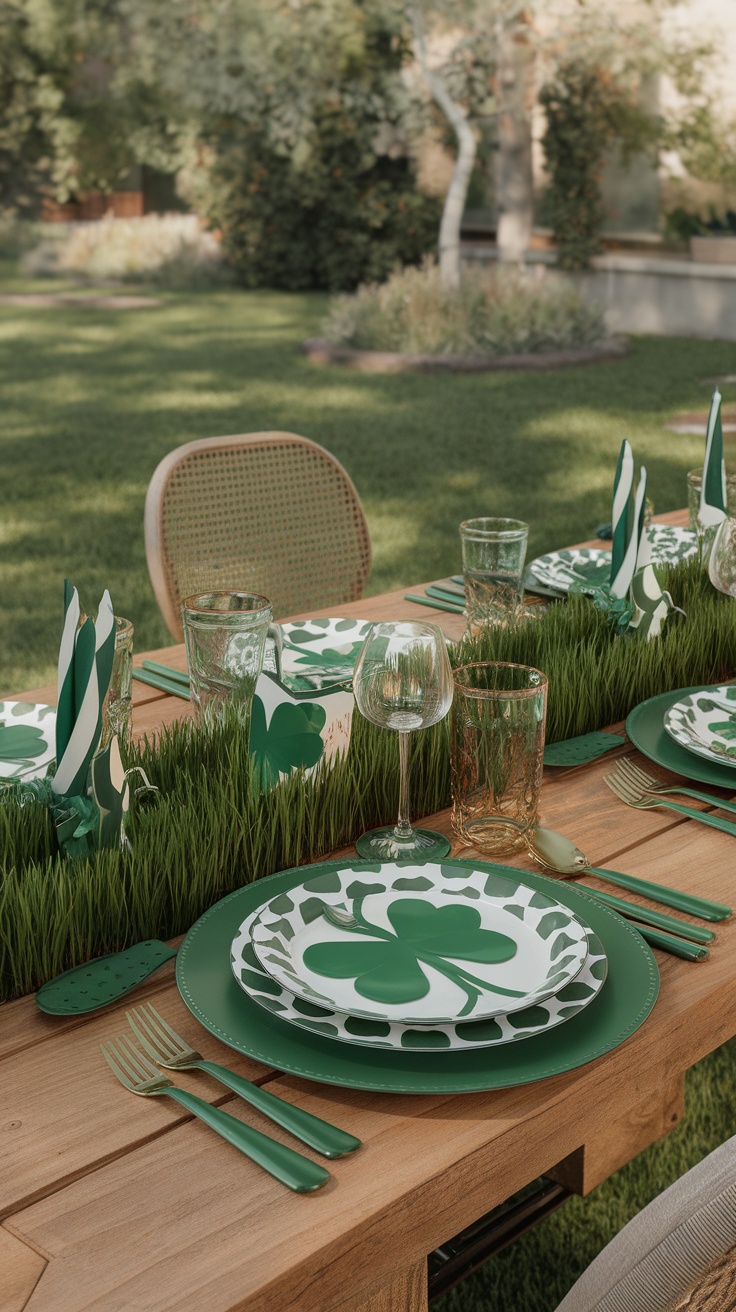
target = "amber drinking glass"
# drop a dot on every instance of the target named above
(117, 708)
(496, 745)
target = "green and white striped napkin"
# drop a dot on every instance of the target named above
(632, 573)
(85, 666)
(627, 522)
(713, 487)
(88, 795)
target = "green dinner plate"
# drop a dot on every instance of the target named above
(209, 989)
(645, 727)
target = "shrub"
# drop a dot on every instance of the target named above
(586, 112)
(493, 313)
(347, 217)
(169, 250)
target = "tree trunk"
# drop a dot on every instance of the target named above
(515, 98)
(452, 213)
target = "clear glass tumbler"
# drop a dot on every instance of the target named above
(694, 484)
(117, 708)
(722, 560)
(225, 637)
(496, 750)
(494, 551)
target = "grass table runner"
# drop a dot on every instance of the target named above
(208, 832)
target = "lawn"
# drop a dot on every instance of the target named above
(91, 402)
(93, 399)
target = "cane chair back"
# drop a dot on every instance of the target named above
(271, 513)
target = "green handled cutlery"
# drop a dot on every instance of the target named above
(168, 1049)
(137, 1074)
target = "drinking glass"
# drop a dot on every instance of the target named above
(225, 637)
(722, 560)
(494, 551)
(496, 750)
(117, 708)
(694, 484)
(402, 681)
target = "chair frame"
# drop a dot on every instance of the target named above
(156, 553)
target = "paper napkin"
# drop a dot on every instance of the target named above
(634, 593)
(713, 487)
(291, 731)
(88, 793)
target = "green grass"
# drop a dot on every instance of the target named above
(92, 400)
(210, 831)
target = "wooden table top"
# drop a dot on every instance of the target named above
(111, 1204)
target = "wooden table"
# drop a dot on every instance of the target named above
(111, 1204)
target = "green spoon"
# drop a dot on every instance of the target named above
(102, 981)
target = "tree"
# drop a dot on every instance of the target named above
(515, 45)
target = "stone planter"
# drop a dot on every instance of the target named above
(714, 249)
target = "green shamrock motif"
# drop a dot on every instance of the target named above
(21, 743)
(291, 740)
(387, 969)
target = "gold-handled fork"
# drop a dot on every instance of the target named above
(170, 1050)
(649, 784)
(133, 1069)
(633, 795)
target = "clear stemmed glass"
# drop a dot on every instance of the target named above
(403, 681)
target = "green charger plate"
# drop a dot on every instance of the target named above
(210, 991)
(645, 728)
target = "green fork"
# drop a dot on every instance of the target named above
(634, 795)
(648, 783)
(170, 1050)
(133, 1069)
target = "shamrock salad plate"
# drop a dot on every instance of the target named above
(27, 739)
(705, 723)
(317, 653)
(426, 948)
(592, 565)
(460, 1036)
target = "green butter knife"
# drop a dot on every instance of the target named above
(436, 604)
(677, 947)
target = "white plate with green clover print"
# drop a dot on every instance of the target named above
(505, 1027)
(318, 653)
(591, 566)
(705, 723)
(432, 946)
(27, 739)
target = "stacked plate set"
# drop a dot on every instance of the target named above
(691, 731)
(416, 977)
(590, 567)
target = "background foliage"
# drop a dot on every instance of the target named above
(332, 201)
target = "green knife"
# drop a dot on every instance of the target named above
(436, 605)
(172, 686)
(445, 594)
(677, 947)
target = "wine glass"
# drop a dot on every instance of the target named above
(402, 680)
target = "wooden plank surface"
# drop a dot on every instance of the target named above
(20, 1270)
(125, 1205)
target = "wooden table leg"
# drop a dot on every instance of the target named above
(406, 1293)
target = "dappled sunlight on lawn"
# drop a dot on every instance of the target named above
(94, 400)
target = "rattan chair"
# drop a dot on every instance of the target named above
(262, 512)
(678, 1254)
